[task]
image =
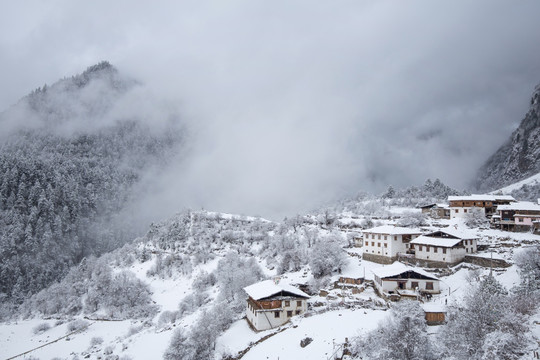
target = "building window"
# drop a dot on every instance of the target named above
(297, 312)
(456, 211)
(379, 237)
(414, 285)
(385, 237)
(373, 236)
(420, 248)
(276, 314)
(287, 303)
(520, 220)
(373, 243)
(464, 210)
(299, 303)
(395, 237)
(434, 249)
(444, 250)
(385, 245)
(289, 313)
(367, 243)
(378, 244)
(429, 285)
(427, 248)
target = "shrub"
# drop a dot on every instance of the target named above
(96, 341)
(77, 324)
(41, 328)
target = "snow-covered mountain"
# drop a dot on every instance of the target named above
(519, 157)
(71, 156)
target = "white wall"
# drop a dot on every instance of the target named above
(391, 285)
(265, 319)
(452, 254)
(376, 244)
(459, 212)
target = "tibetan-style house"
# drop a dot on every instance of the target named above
(404, 280)
(271, 304)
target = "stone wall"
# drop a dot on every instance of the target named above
(486, 262)
(378, 258)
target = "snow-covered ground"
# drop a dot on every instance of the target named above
(329, 322)
(533, 180)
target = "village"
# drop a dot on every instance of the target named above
(288, 311)
(403, 263)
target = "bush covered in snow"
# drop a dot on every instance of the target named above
(326, 256)
(41, 328)
(93, 287)
(402, 336)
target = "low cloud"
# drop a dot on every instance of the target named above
(291, 104)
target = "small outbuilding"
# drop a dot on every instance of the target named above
(404, 280)
(440, 211)
(435, 313)
(271, 304)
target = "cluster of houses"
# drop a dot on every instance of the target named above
(271, 304)
(504, 211)
(386, 244)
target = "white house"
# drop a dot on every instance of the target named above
(460, 206)
(404, 280)
(272, 304)
(445, 245)
(382, 244)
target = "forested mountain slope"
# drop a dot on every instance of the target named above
(68, 166)
(519, 157)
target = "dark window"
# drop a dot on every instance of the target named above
(298, 312)
(385, 245)
(289, 313)
(429, 285)
(444, 250)
(367, 243)
(287, 303)
(299, 303)
(434, 249)
(414, 284)
(276, 314)
(378, 244)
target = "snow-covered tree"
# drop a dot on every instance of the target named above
(472, 330)
(326, 256)
(476, 218)
(402, 336)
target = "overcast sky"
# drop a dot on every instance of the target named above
(293, 103)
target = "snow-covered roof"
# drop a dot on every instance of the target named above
(436, 241)
(398, 268)
(520, 205)
(269, 288)
(482, 197)
(442, 206)
(457, 233)
(434, 308)
(392, 230)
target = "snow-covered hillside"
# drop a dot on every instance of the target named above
(184, 283)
